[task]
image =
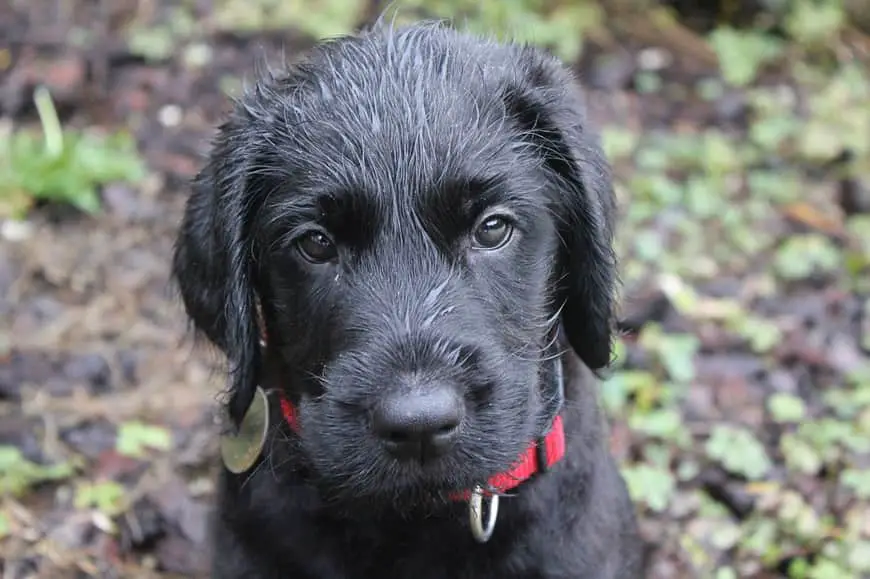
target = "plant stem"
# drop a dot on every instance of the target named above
(50, 122)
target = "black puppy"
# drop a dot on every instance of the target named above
(419, 222)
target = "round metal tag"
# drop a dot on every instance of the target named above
(240, 451)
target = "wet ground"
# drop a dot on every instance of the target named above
(94, 350)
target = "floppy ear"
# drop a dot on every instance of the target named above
(549, 107)
(212, 264)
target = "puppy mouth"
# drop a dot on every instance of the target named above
(364, 471)
(429, 438)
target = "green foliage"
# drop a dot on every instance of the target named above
(785, 407)
(18, 474)
(557, 25)
(839, 116)
(651, 485)
(801, 256)
(643, 386)
(833, 437)
(318, 18)
(108, 497)
(665, 424)
(813, 23)
(62, 167)
(159, 42)
(761, 334)
(857, 258)
(618, 143)
(704, 202)
(799, 454)
(787, 524)
(738, 451)
(675, 352)
(858, 480)
(743, 52)
(135, 437)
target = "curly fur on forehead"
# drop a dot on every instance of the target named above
(401, 84)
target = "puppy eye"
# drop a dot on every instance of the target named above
(317, 247)
(492, 233)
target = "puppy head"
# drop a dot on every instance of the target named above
(416, 212)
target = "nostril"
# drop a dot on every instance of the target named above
(397, 436)
(447, 429)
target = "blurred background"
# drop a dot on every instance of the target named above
(740, 400)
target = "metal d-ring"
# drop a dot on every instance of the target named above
(482, 532)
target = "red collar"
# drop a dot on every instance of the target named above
(538, 457)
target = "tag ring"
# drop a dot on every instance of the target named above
(482, 532)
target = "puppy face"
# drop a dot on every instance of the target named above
(416, 212)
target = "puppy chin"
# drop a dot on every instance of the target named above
(407, 495)
(390, 480)
(382, 483)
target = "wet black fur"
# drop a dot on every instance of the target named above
(394, 143)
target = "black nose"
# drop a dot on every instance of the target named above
(419, 426)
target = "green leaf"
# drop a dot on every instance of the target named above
(803, 255)
(827, 569)
(622, 384)
(648, 245)
(786, 407)
(704, 196)
(830, 437)
(799, 455)
(742, 53)
(134, 437)
(618, 142)
(70, 171)
(798, 568)
(651, 485)
(720, 153)
(859, 556)
(762, 334)
(770, 132)
(676, 352)
(666, 424)
(726, 535)
(760, 536)
(153, 43)
(858, 480)
(813, 22)
(18, 474)
(738, 451)
(109, 497)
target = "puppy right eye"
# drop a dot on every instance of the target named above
(316, 247)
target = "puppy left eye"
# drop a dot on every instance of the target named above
(492, 233)
(317, 248)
